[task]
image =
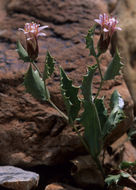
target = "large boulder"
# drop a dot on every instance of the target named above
(17, 179)
(33, 133)
(126, 40)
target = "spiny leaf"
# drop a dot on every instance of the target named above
(89, 40)
(116, 100)
(125, 175)
(89, 118)
(22, 52)
(87, 82)
(102, 111)
(34, 84)
(125, 165)
(92, 133)
(116, 115)
(49, 66)
(113, 68)
(69, 93)
(114, 179)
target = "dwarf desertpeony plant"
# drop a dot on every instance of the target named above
(95, 119)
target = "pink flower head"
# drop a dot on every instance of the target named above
(34, 29)
(108, 24)
(31, 32)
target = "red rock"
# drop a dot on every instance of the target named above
(33, 133)
(126, 188)
(56, 186)
(127, 44)
(129, 153)
(84, 173)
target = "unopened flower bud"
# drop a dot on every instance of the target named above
(31, 32)
(32, 47)
(103, 44)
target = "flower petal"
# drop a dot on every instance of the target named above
(118, 28)
(41, 34)
(100, 16)
(98, 21)
(105, 30)
(29, 38)
(41, 28)
(21, 29)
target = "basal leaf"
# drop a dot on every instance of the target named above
(34, 84)
(87, 82)
(49, 66)
(125, 165)
(116, 115)
(92, 133)
(116, 100)
(113, 68)
(89, 41)
(69, 93)
(124, 175)
(114, 179)
(102, 111)
(22, 52)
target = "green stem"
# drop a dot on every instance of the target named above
(81, 138)
(101, 83)
(74, 127)
(99, 166)
(103, 156)
(61, 113)
(48, 96)
(37, 69)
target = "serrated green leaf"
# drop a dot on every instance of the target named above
(113, 68)
(49, 66)
(112, 179)
(125, 175)
(116, 100)
(116, 115)
(34, 84)
(89, 41)
(92, 133)
(102, 111)
(69, 93)
(22, 52)
(125, 165)
(87, 82)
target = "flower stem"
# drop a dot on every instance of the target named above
(37, 69)
(81, 138)
(101, 83)
(99, 166)
(48, 96)
(61, 113)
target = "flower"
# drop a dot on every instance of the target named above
(31, 32)
(108, 24)
(108, 27)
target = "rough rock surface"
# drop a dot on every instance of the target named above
(17, 179)
(129, 153)
(126, 11)
(33, 133)
(56, 186)
(84, 172)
